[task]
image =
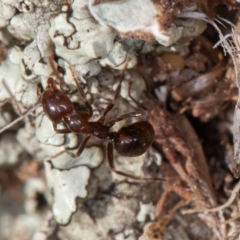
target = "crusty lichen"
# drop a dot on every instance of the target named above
(88, 36)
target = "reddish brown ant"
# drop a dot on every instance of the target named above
(132, 140)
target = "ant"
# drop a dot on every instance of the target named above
(132, 140)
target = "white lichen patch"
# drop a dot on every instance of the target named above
(118, 57)
(6, 13)
(32, 65)
(18, 226)
(81, 41)
(45, 132)
(91, 157)
(130, 165)
(137, 87)
(145, 19)
(47, 229)
(127, 234)
(68, 31)
(120, 213)
(134, 165)
(5, 118)
(27, 138)
(11, 74)
(111, 215)
(32, 188)
(66, 186)
(146, 210)
(9, 149)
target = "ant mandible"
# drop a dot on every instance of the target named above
(132, 140)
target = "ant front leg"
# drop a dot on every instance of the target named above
(79, 151)
(39, 91)
(139, 113)
(112, 167)
(63, 130)
(116, 96)
(56, 73)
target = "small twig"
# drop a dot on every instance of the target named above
(230, 220)
(219, 208)
(20, 118)
(178, 189)
(15, 103)
(234, 236)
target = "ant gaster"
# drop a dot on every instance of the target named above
(132, 140)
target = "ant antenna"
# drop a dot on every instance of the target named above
(139, 105)
(56, 73)
(88, 105)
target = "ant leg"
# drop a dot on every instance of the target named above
(116, 96)
(79, 151)
(87, 104)
(139, 105)
(139, 113)
(39, 91)
(56, 73)
(112, 167)
(64, 130)
(124, 116)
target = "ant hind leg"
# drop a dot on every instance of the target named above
(139, 105)
(79, 151)
(112, 167)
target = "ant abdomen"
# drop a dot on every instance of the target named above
(134, 140)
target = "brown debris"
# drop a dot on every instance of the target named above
(200, 93)
(180, 145)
